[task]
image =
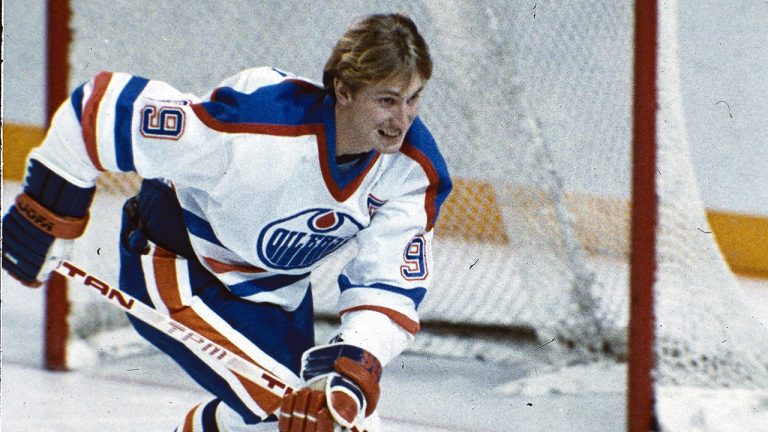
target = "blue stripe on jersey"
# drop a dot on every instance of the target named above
(286, 103)
(77, 102)
(123, 120)
(200, 227)
(209, 416)
(269, 283)
(415, 294)
(420, 137)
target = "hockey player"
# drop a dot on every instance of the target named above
(245, 191)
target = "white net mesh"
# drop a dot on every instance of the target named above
(706, 334)
(531, 104)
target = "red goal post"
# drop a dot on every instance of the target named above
(642, 318)
(58, 37)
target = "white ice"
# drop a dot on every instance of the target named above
(420, 393)
(148, 393)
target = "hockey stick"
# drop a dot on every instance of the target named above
(272, 388)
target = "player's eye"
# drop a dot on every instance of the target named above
(387, 100)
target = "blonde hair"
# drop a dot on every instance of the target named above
(376, 49)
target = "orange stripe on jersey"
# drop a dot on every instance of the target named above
(164, 263)
(400, 319)
(268, 401)
(189, 420)
(257, 128)
(221, 267)
(90, 117)
(434, 180)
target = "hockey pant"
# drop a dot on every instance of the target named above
(172, 280)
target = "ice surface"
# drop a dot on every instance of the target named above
(420, 393)
(147, 393)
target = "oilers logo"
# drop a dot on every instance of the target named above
(374, 203)
(301, 240)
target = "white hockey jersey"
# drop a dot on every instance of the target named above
(254, 167)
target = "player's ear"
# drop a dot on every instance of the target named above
(343, 92)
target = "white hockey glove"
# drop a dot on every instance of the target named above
(39, 229)
(342, 388)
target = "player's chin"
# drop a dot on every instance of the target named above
(390, 149)
(389, 146)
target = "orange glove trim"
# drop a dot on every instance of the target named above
(62, 227)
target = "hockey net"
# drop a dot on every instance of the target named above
(532, 106)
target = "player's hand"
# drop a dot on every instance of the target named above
(342, 388)
(29, 253)
(39, 228)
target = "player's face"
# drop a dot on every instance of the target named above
(379, 115)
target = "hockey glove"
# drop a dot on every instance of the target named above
(39, 228)
(342, 387)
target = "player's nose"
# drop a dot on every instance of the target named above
(404, 115)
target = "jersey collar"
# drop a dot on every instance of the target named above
(341, 185)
